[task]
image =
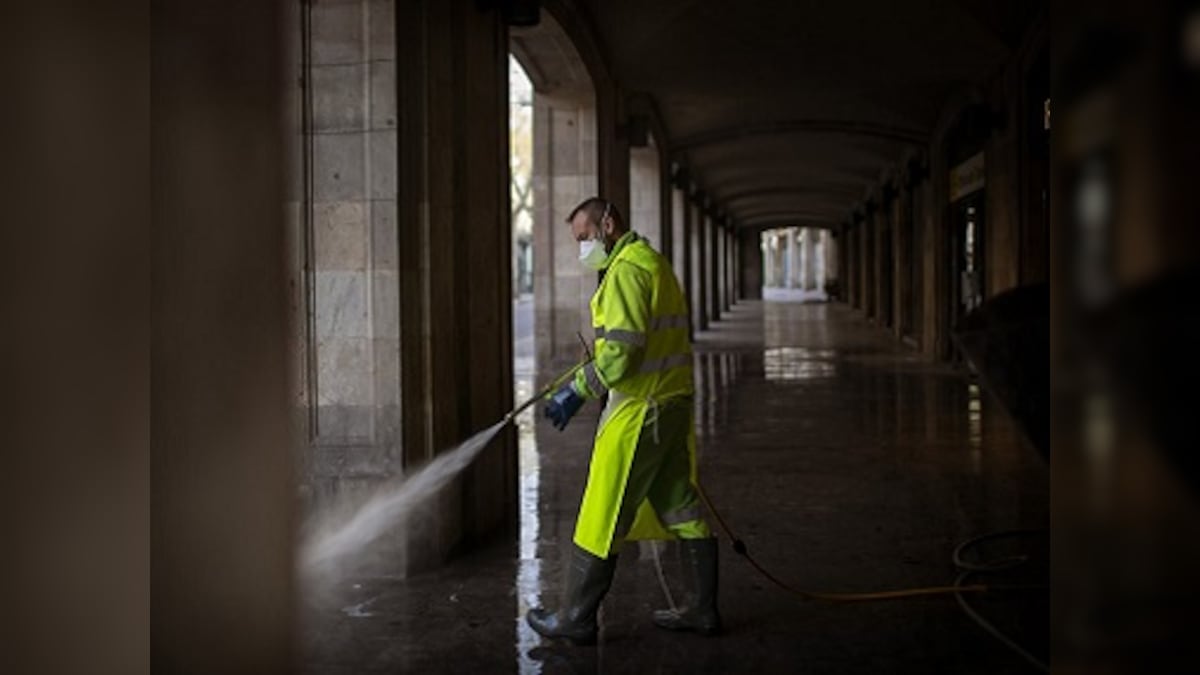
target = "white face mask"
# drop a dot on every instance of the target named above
(592, 254)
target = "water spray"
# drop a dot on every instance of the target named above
(338, 537)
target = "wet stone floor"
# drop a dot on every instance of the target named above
(843, 460)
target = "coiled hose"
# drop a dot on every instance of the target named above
(959, 589)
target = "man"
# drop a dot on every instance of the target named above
(640, 481)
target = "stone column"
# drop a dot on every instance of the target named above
(613, 144)
(700, 269)
(767, 247)
(856, 262)
(850, 269)
(781, 259)
(850, 274)
(666, 205)
(735, 291)
(796, 272)
(678, 236)
(843, 277)
(901, 247)
(714, 270)
(489, 492)
(810, 258)
(564, 149)
(687, 255)
(847, 241)
(725, 290)
(645, 204)
(784, 254)
(782, 240)
(766, 244)
(832, 255)
(217, 558)
(455, 242)
(715, 280)
(739, 262)
(730, 267)
(346, 268)
(348, 219)
(753, 264)
(877, 290)
(866, 239)
(801, 257)
(789, 276)
(711, 297)
(730, 291)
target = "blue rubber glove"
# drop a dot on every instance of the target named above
(563, 405)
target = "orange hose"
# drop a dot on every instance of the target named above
(740, 547)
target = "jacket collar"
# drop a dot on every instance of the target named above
(625, 240)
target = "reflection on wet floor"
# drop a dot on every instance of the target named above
(529, 565)
(715, 373)
(797, 363)
(975, 427)
(843, 462)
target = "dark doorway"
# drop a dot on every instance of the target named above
(1035, 231)
(963, 265)
(868, 241)
(967, 270)
(887, 277)
(913, 289)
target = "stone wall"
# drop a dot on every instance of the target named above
(219, 583)
(564, 174)
(347, 221)
(678, 236)
(750, 250)
(400, 274)
(700, 267)
(645, 192)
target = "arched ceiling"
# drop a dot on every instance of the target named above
(551, 60)
(788, 111)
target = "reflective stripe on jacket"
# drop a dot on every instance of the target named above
(640, 320)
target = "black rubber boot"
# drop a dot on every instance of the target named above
(698, 557)
(588, 579)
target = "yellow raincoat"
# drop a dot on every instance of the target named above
(643, 361)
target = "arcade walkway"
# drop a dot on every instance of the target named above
(845, 463)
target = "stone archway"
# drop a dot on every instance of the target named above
(565, 171)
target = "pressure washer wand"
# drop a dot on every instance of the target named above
(543, 392)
